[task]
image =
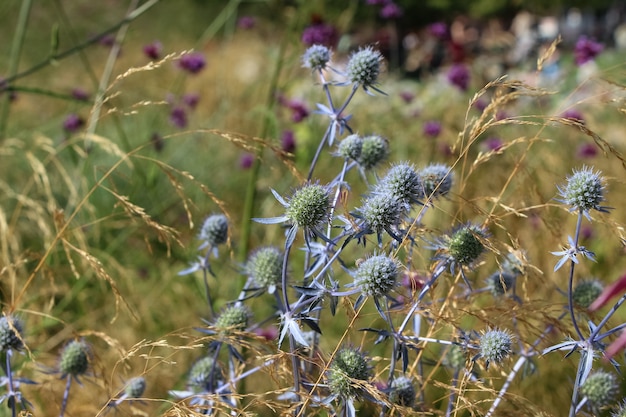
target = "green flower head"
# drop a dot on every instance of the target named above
(348, 364)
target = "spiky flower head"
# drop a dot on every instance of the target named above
(135, 387)
(74, 358)
(233, 318)
(600, 388)
(350, 147)
(374, 150)
(500, 282)
(381, 211)
(436, 180)
(377, 275)
(204, 373)
(316, 57)
(364, 67)
(402, 392)
(455, 357)
(214, 230)
(309, 206)
(265, 267)
(620, 411)
(402, 182)
(586, 292)
(495, 345)
(584, 190)
(465, 244)
(11, 329)
(348, 364)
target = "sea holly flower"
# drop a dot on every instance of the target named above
(377, 275)
(214, 231)
(463, 246)
(233, 318)
(571, 254)
(204, 376)
(495, 345)
(500, 282)
(600, 389)
(402, 392)
(348, 365)
(133, 390)
(436, 179)
(584, 191)
(374, 150)
(307, 209)
(350, 147)
(364, 68)
(316, 57)
(11, 329)
(402, 182)
(381, 212)
(586, 291)
(264, 267)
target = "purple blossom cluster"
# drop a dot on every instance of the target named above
(320, 33)
(193, 62)
(586, 50)
(459, 76)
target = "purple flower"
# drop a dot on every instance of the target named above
(493, 143)
(391, 11)
(153, 50)
(377, 2)
(439, 30)
(407, 96)
(192, 63)
(246, 22)
(320, 34)
(288, 141)
(246, 160)
(191, 100)
(481, 104)
(107, 40)
(80, 94)
(432, 129)
(573, 114)
(178, 117)
(73, 122)
(501, 115)
(299, 110)
(268, 333)
(586, 50)
(587, 150)
(459, 76)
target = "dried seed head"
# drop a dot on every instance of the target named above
(234, 318)
(11, 329)
(309, 206)
(374, 150)
(495, 345)
(265, 266)
(349, 364)
(584, 190)
(74, 358)
(586, 292)
(600, 388)
(316, 57)
(402, 392)
(377, 275)
(214, 230)
(364, 67)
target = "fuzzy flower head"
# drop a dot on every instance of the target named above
(348, 364)
(350, 147)
(309, 206)
(495, 345)
(500, 282)
(363, 67)
(586, 292)
(234, 318)
(11, 330)
(402, 182)
(402, 392)
(377, 275)
(135, 387)
(316, 57)
(600, 388)
(465, 245)
(584, 191)
(374, 150)
(436, 180)
(381, 212)
(455, 357)
(74, 359)
(265, 267)
(204, 373)
(214, 231)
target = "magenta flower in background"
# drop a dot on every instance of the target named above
(407, 96)
(573, 114)
(481, 104)
(459, 76)
(586, 50)
(268, 333)
(193, 62)
(153, 50)
(191, 100)
(246, 22)
(246, 160)
(107, 40)
(320, 34)
(492, 144)
(288, 141)
(299, 110)
(587, 150)
(432, 128)
(178, 117)
(377, 2)
(391, 11)
(73, 123)
(80, 94)
(501, 115)
(439, 30)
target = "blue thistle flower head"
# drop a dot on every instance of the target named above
(584, 191)
(586, 292)
(309, 206)
(455, 357)
(74, 359)
(495, 345)
(402, 182)
(316, 57)
(265, 267)
(204, 373)
(214, 231)
(350, 147)
(381, 212)
(233, 318)
(377, 275)
(374, 150)
(348, 364)
(135, 387)
(363, 67)
(500, 282)
(402, 392)
(465, 245)
(600, 389)
(436, 179)
(11, 329)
